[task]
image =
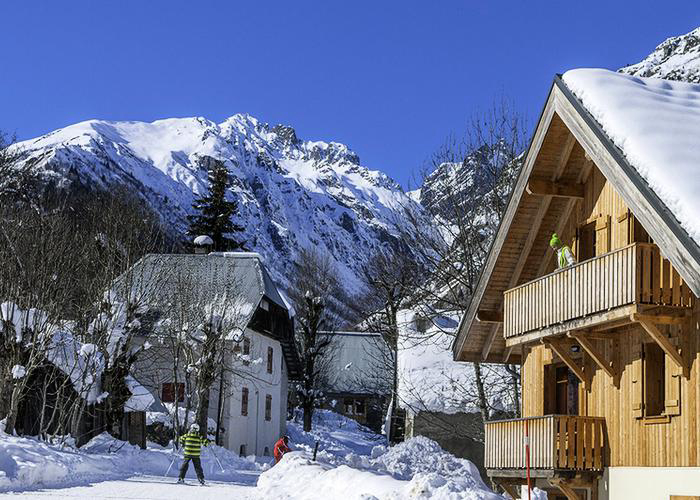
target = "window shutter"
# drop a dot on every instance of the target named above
(673, 376)
(602, 234)
(637, 385)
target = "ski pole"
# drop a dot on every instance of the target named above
(171, 462)
(217, 459)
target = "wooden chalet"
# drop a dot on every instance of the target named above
(609, 348)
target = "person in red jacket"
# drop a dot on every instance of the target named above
(281, 448)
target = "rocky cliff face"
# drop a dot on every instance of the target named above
(677, 58)
(292, 193)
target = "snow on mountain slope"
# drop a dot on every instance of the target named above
(292, 193)
(677, 58)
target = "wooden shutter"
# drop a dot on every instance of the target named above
(637, 396)
(623, 229)
(673, 376)
(602, 234)
(168, 393)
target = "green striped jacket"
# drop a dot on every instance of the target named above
(193, 443)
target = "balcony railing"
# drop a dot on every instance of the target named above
(633, 274)
(557, 442)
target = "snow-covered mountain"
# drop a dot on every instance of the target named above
(677, 58)
(292, 193)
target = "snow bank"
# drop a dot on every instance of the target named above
(28, 464)
(353, 463)
(656, 124)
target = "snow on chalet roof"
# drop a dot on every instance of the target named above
(656, 125)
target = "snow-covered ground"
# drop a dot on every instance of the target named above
(29, 465)
(352, 463)
(151, 488)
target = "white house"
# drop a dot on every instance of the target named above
(260, 355)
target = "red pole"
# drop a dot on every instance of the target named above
(527, 460)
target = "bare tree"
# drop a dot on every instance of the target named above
(466, 190)
(314, 288)
(390, 281)
(18, 180)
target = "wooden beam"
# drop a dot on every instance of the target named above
(509, 488)
(567, 490)
(564, 356)
(663, 342)
(486, 316)
(587, 322)
(595, 355)
(486, 350)
(661, 320)
(506, 354)
(543, 187)
(600, 335)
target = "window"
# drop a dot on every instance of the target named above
(268, 407)
(246, 351)
(654, 378)
(269, 359)
(168, 393)
(359, 407)
(348, 405)
(241, 451)
(266, 452)
(244, 402)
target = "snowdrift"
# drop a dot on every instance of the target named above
(354, 463)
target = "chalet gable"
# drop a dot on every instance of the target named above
(568, 150)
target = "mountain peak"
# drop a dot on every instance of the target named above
(676, 58)
(292, 194)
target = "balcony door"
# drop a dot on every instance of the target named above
(562, 391)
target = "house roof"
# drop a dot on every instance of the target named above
(234, 283)
(358, 365)
(567, 142)
(231, 285)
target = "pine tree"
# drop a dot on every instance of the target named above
(214, 212)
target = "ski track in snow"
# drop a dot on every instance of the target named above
(152, 488)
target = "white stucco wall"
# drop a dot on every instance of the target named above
(252, 430)
(650, 483)
(155, 368)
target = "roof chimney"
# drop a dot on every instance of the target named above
(202, 244)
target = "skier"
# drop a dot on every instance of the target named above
(281, 448)
(564, 256)
(193, 443)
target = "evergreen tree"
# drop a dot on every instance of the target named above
(214, 212)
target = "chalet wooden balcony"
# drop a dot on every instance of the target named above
(595, 291)
(558, 444)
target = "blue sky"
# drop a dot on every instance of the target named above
(389, 78)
